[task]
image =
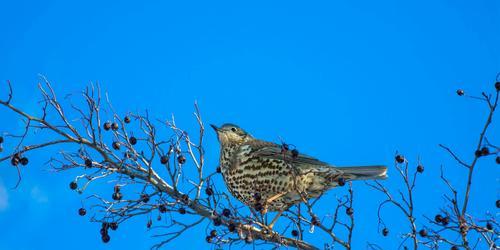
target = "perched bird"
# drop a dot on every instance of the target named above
(271, 177)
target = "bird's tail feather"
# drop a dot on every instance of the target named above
(375, 172)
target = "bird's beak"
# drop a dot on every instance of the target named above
(215, 127)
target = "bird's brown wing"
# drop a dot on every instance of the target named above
(275, 151)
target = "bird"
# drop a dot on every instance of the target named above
(268, 176)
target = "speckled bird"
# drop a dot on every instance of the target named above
(272, 177)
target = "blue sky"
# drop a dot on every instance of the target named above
(349, 82)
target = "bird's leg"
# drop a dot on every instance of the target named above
(269, 201)
(270, 226)
(275, 197)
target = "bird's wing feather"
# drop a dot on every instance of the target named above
(275, 151)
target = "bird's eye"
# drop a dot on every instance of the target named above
(233, 129)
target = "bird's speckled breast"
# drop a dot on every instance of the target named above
(249, 175)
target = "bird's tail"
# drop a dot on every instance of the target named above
(376, 172)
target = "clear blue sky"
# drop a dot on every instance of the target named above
(349, 82)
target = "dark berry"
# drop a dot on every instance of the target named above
(217, 221)
(284, 147)
(231, 227)
(132, 140)
(257, 197)
(113, 226)
(315, 221)
(1, 139)
(489, 226)
(73, 185)
(164, 159)
(420, 168)
(181, 159)
(498, 203)
(478, 153)
(162, 208)
(258, 207)
(295, 153)
(105, 226)
(158, 218)
(445, 220)
(15, 161)
(385, 231)
(213, 233)
(438, 218)
(497, 86)
(126, 119)
(454, 248)
(24, 161)
(182, 210)
(116, 145)
(82, 211)
(209, 191)
(145, 198)
(114, 126)
(423, 232)
(208, 239)
(88, 163)
(104, 231)
(295, 233)
(105, 238)
(341, 182)
(107, 126)
(460, 92)
(349, 211)
(485, 151)
(226, 212)
(117, 196)
(498, 159)
(218, 170)
(400, 159)
(185, 198)
(149, 224)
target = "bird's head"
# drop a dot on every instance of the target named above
(230, 134)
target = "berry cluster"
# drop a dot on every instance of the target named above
(211, 236)
(105, 230)
(231, 227)
(443, 220)
(18, 159)
(286, 147)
